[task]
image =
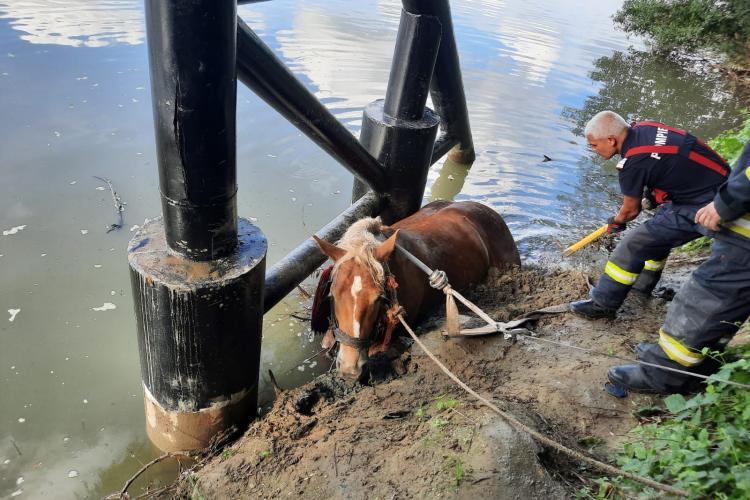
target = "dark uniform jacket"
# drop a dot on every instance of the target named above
(671, 163)
(733, 203)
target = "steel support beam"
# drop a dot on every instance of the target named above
(269, 78)
(303, 260)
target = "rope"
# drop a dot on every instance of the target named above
(646, 363)
(515, 423)
(439, 280)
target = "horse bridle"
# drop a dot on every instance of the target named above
(388, 296)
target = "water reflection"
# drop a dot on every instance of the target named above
(640, 85)
(76, 23)
(450, 181)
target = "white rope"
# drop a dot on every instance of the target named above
(515, 423)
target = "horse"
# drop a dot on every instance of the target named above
(371, 279)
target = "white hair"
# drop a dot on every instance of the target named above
(605, 124)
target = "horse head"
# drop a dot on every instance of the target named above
(359, 297)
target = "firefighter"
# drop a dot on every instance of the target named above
(682, 174)
(711, 305)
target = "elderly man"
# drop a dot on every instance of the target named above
(709, 308)
(681, 172)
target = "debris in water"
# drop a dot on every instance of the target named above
(72, 182)
(107, 306)
(97, 266)
(13, 313)
(6, 461)
(546, 159)
(73, 473)
(43, 255)
(14, 230)
(100, 188)
(19, 481)
(82, 78)
(57, 134)
(301, 368)
(66, 439)
(450, 177)
(21, 420)
(85, 401)
(16, 493)
(134, 228)
(84, 231)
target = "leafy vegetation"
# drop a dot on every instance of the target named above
(691, 24)
(703, 445)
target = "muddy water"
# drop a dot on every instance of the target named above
(75, 104)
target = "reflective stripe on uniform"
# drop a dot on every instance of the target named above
(654, 265)
(747, 173)
(619, 274)
(740, 226)
(678, 352)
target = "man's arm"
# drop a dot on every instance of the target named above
(631, 207)
(733, 198)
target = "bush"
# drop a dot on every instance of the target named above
(691, 24)
(703, 446)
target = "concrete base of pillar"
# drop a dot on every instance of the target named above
(199, 335)
(462, 156)
(193, 430)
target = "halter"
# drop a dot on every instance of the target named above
(388, 296)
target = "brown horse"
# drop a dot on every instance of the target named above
(464, 239)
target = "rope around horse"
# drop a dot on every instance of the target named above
(440, 281)
(515, 423)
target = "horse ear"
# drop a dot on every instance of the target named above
(386, 248)
(331, 250)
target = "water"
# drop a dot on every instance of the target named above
(74, 102)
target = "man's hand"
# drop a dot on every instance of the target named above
(708, 217)
(615, 227)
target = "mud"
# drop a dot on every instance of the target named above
(417, 435)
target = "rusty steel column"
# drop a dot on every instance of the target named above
(197, 273)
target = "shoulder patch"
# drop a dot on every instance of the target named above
(621, 164)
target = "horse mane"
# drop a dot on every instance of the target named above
(360, 242)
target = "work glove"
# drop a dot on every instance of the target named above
(648, 202)
(614, 227)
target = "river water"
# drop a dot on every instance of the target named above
(75, 105)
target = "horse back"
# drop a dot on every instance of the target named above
(464, 239)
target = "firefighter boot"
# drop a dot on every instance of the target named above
(632, 378)
(591, 310)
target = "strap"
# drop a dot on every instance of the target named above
(350, 341)
(673, 150)
(679, 132)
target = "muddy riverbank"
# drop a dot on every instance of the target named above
(418, 435)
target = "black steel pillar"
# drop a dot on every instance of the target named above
(197, 273)
(446, 87)
(400, 131)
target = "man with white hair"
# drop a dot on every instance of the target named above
(679, 172)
